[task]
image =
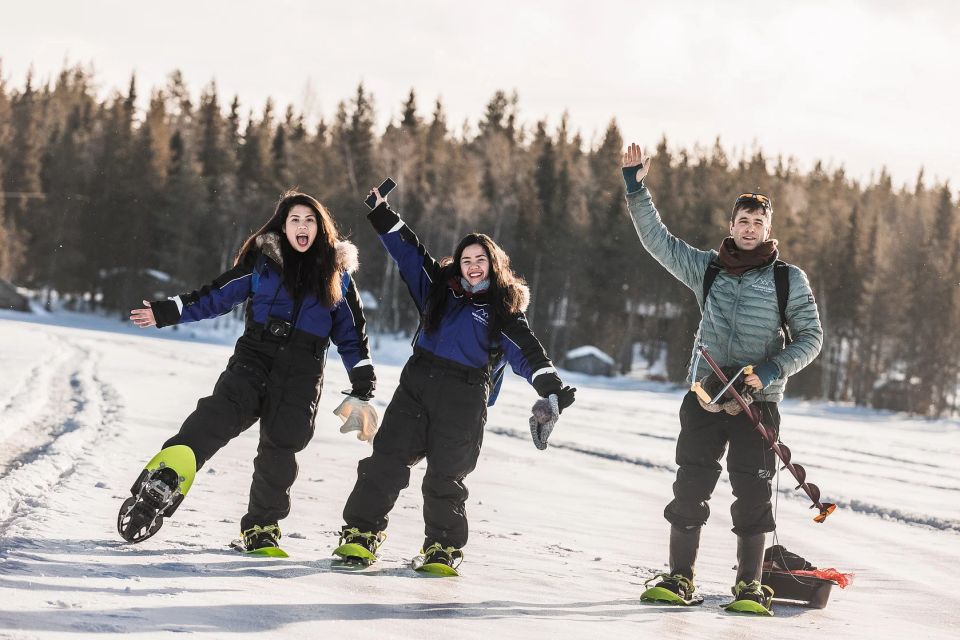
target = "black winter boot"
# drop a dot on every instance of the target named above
(752, 598)
(750, 557)
(437, 553)
(257, 537)
(677, 586)
(359, 547)
(684, 544)
(749, 596)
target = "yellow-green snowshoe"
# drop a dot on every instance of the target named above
(157, 492)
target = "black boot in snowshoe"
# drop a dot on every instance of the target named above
(156, 496)
(672, 589)
(752, 598)
(157, 492)
(359, 548)
(261, 541)
(439, 560)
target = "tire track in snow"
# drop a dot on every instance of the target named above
(76, 412)
(589, 451)
(27, 401)
(906, 517)
(856, 506)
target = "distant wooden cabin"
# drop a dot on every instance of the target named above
(590, 360)
(11, 299)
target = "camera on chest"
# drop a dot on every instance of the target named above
(279, 328)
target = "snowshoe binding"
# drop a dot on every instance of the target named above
(438, 560)
(157, 492)
(261, 541)
(359, 548)
(754, 598)
(672, 589)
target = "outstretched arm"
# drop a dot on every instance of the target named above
(215, 299)
(687, 264)
(349, 333)
(528, 360)
(417, 268)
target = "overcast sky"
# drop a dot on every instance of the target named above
(862, 83)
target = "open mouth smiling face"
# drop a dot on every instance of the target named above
(474, 264)
(300, 227)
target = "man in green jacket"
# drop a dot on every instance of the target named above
(741, 325)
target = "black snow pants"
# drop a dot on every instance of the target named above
(750, 462)
(276, 381)
(437, 412)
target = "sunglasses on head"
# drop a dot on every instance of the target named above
(763, 200)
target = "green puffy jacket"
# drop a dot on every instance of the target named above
(741, 319)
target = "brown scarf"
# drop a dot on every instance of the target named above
(736, 261)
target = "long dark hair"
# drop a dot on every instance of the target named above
(507, 293)
(314, 271)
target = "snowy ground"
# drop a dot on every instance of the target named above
(561, 542)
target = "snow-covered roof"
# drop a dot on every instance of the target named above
(589, 350)
(368, 300)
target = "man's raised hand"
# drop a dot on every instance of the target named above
(635, 158)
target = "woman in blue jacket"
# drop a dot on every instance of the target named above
(472, 324)
(294, 274)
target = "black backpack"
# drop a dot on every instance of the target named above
(781, 279)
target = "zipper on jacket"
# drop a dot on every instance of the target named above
(733, 319)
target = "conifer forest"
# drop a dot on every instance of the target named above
(109, 198)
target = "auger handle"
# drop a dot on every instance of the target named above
(701, 392)
(825, 510)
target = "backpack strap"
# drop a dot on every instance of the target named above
(708, 277)
(781, 279)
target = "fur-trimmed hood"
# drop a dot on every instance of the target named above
(521, 296)
(347, 255)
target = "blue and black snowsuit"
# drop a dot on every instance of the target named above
(276, 370)
(439, 410)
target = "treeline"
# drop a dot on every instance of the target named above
(99, 194)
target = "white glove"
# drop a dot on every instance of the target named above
(358, 415)
(543, 419)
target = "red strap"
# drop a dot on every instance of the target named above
(842, 579)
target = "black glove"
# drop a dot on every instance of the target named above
(362, 389)
(565, 397)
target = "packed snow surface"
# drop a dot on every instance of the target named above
(561, 540)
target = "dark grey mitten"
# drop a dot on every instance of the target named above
(543, 419)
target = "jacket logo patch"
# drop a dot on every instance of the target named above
(766, 286)
(481, 316)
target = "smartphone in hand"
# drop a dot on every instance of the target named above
(385, 187)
